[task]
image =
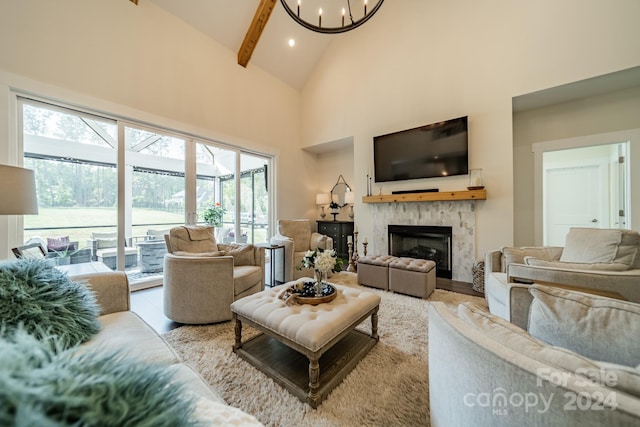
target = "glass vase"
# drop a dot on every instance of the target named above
(475, 179)
(318, 275)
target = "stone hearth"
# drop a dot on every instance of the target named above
(459, 215)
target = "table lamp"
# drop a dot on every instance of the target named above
(349, 199)
(321, 200)
(17, 191)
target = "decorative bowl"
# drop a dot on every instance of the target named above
(305, 294)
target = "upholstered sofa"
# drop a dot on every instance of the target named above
(124, 329)
(297, 238)
(573, 361)
(601, 261)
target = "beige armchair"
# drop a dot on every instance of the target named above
(297, 238)
(202, 278)
(598, 261)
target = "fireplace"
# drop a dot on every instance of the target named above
(423, 241)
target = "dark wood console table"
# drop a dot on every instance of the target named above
(338, 231)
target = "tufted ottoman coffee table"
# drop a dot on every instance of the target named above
(307, 349)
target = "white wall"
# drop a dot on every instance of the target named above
(141, 62)
(419, 62)
(592, 115)
(331, 165)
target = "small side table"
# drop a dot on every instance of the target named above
(272, 248)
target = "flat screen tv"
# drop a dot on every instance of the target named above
(435, 150)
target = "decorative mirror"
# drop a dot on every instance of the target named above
(339, 190)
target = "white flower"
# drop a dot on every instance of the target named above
(325, 261)
(320, 260)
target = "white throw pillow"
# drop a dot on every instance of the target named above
(597, 327)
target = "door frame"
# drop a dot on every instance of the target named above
(632, 136)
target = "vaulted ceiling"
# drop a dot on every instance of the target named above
(227, 21)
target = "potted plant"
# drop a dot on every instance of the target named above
(63, 256)
(214, 213)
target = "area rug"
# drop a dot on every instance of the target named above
(389, 387)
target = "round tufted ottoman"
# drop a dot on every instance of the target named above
(412, 276)
(324, 333)
(373, 270)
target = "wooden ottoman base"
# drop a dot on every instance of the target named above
(293, 370)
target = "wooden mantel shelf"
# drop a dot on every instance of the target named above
(427, 197)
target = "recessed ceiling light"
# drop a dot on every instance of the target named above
(292, 42)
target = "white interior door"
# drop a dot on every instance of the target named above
(575, 196)
(579, 180)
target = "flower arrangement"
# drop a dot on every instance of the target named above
(323, 261)
(214, 213)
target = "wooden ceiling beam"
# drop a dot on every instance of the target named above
(263, 12)
(135, 2)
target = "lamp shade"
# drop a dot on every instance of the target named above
(349, 197)
(323, 199)
(17, 191)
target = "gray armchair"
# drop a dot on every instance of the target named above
(202, 278)
(297, 238)
(598, 261)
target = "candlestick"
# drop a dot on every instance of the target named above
(343, 12)
(298, 8)
(355, 249)
(364, 244)
(349, 239)
(365, 241)
(365, 7)
(351, 268)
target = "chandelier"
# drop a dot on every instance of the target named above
(330, 19)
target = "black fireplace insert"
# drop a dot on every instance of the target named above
(425, 242)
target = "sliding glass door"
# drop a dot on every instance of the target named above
(85, 163)
(254, 206)
(216, 176)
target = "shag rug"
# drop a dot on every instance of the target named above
(389, 387)
(44, 301)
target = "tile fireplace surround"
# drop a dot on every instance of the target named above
(459, 215)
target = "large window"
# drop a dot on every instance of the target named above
(164, 179)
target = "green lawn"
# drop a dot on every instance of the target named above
(69, 217)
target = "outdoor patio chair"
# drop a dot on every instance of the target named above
(104, 248)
